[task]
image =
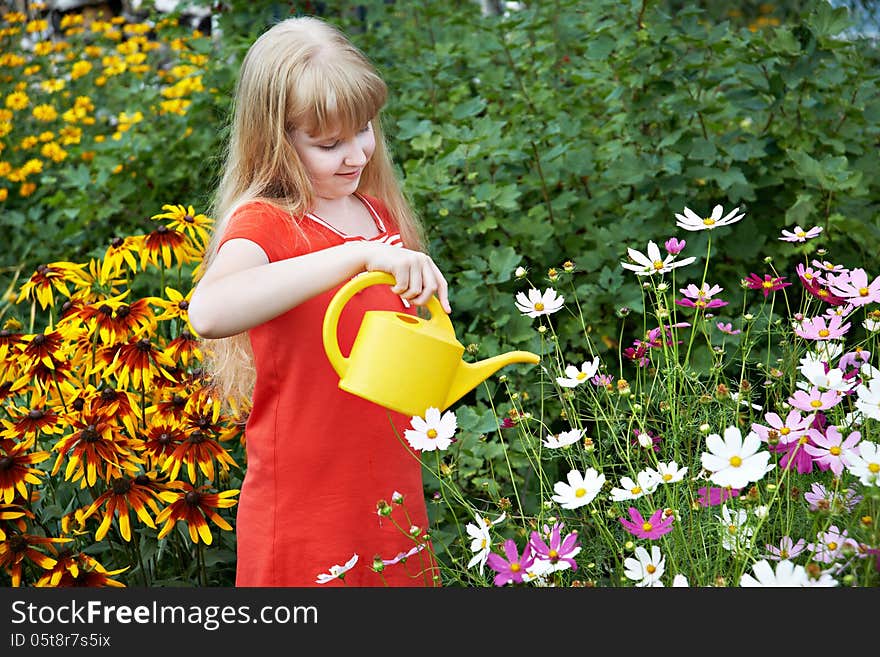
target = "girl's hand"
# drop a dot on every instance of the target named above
(417, 276)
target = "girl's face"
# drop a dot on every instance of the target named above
(335, 162)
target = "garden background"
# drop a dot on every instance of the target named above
(547, 136)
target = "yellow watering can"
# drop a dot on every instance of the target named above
(403, 362)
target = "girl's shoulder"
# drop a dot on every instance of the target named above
(272, 227)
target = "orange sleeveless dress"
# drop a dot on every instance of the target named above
(318, 458)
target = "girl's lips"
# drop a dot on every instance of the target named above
(351, 174)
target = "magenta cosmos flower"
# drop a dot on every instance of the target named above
(654, 527)
(767, 284)
(511, 570)
(713, 496)
(560, 553)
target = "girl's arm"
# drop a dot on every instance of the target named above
(242, 289)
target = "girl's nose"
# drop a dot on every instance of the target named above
(355, 157)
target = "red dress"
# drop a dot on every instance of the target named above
(318, 458)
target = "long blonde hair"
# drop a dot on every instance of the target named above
(301, 73)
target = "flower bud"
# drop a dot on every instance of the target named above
(383, 508)
(520, 272)
(568, 266)
(378, 566)
(705, 428)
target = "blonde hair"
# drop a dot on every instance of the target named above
(305, 74)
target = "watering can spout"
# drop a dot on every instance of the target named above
(469, 375)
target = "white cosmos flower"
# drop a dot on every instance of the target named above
(669, 473)
(653, 262)
(680, 581)
(575, 376)
(646, 482)
(786, 574)
(580, 490)
(481, 540)
(690, 220)
(337, 571)
(736, 533)
(434, 432)
(735, 462)
(536, 304)
(564, 438)
(645, 569)
(863, 461)
(868, 400)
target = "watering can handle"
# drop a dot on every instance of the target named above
(342, 297)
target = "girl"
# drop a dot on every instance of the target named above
(309, 199)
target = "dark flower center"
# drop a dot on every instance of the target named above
(17, 543)
(79, 404)
(144, 344)
(6, 463)
(89, 434)
(142, 480)
(162, 229)
(116, 242)
(197, 437)
(123, 311)
(39, 339)
(5, 333)
(42, 269)
(164, 438)
(188, 218)
(121, 486)
(183, 305)
(105, 310)
(108, 395)
(192, 498)
(35, 414)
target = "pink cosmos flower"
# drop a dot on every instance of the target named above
(854, 358)
(817, 328)
(829, 545)
(713, 496)
(821, 499)
(701, 297)
(674, 246)
(855, 288)
(815, 399)
(828, 267)
(827, 449)
(655, 527)
(727, 328)
(779, 431)
(560, 553)
(602, 380)
(511, 570)
(798, 234)
(767, 285)
(787, 549)
(808, 275)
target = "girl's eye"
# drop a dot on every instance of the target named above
(329, 147)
